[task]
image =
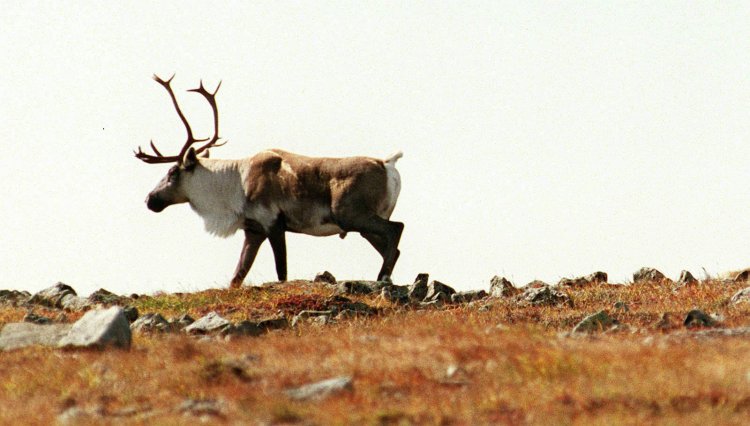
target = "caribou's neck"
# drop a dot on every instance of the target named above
(214, 190)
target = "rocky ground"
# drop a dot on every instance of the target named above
(326, 351)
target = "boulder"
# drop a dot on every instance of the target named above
(599, 321)
(544, 296)
(60, 296)
(648, 275)
(396, 293)
(501, 287)
(598, 277)
(325, 277)
(99, 328)
(23, 334)
(321, 390)
(210, 323)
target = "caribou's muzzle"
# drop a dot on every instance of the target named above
(155, 204)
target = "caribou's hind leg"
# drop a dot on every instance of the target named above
(383, 234)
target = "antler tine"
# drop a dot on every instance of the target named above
(211, 98)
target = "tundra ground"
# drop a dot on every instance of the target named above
(492, 362)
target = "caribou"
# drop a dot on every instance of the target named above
(275, 191)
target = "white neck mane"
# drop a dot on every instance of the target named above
(215, 192)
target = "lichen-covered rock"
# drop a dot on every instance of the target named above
(648, 275)
(468, 296)
(599, 321)
(361, 287)
(439, 291)
(210, 323)
(106, 297)
(544, 296)
(150, 323)
(99, 328)
(598, 277)
(321, 390)
(396, 294)
(325, 277)
(501, 287)
(13, 297)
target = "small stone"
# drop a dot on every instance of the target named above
(149, 323)
(686, 278)
(325, 277)
(698, 318)
(544, 296)
(361, 287)
(599, 321)
(99, 328)
(321, 390)
(648, 275)
(210, 323)
(741, 296)
(439, 291)
(501, 287)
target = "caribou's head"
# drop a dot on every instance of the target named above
(172, 188)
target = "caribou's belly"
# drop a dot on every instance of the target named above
(315, 220)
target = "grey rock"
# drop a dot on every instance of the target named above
(686, 278)
(361, 287)
(741, 296)
(468, 296)
(201, 408)
(439, 291)
(544, 296)
(418, 290)
(305, 316)
(99, 328)
(150, 323)
(598, 277)
(52, 297)
(182, 321)
(599, 321)
(23, 334)
(396, 293)
(244, 328)
(339, 303)
(646, 274)
(501, 287)
(321, 390)
(698, 318)
(742, 276)
(13, 297)
(106, 297)
(210, 323)
(325, 277)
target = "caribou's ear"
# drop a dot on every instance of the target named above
(190, 161)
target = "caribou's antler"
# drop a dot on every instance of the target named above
(159, 157)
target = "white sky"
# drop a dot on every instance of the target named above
(541, 139)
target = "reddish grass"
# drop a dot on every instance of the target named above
(513, 365)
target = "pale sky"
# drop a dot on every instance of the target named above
(541, 139)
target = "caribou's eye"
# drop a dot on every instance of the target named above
(173, 174)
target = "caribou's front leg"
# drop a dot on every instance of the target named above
(277, 238)
(253, 240)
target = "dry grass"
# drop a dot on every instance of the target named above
(513, 365)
